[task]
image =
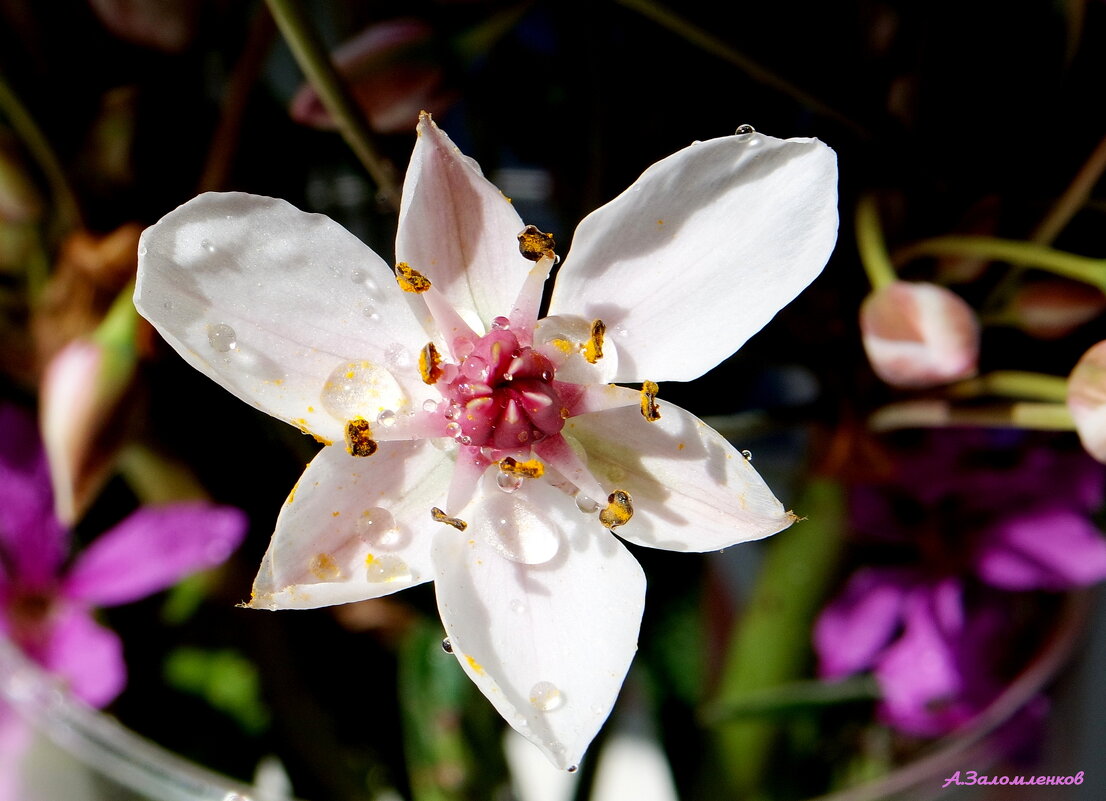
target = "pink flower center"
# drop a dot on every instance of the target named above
(501, 395)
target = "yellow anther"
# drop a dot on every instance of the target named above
(359, 438)
(593, 348)
(533, 244)
(441, 517)
(410, 279)
(649, 408)
(430, 364)
(620, 508)
(529, 469)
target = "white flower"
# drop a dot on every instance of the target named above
(476, 445)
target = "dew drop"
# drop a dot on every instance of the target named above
(523, 436)
(361, 389)
(386, 418)
(464, 440)
(508, 482)
(141, 250)
(745, 132)
(517, 606)
(475, 368)
(222, 338)
(586, 504)
(380, 569)
(430, 405)
(453, 429)
(546, 696)
(500, 323)
(572, 768)
(207, 245)
(396, 356)
(447, 646)
(748, 455)
(357, 276)
(517, 530)
(370, 313)
(378, 527)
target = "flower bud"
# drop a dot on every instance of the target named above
(1087, 400)
(1052, 309)
(919, 335)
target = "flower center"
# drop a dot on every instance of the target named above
(502, 395)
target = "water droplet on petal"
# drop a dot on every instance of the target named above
(447, 646)
(361, 389)
(222, 338)
(386, 418)
(745, 132)
(207, 245)
(517, 530)
(517, 606)
(508, 482)
(357, 276)
(748, 455)
(572, 768)
(141, 250)
(370, 313)
(546, 696)
(500, 323)
(586, 504)
(378, 527)
(475, 368)
(380, 569)
(398, 357)
(430, 405)
(453, 429)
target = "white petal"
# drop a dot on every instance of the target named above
(701, 251)
(691, 489)
(355, 528)
(287, 310)
(457, 229)
(549, 644)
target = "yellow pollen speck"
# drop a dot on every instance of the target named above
(359, 441)
(369, 559)
(430, 364)
(593, 348)
(660, 222)
(335, 514)
(310, 409)
(681, 446)
(533, 244)
(649, 408)
(441, 517)
(292, 494)
(528, 469)
(620, 508)
(411, 280)
(323, 567)
(563, 345)
(476, 666)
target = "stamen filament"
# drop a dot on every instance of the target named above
(524, 315)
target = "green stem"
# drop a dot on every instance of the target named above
(712, 44)
(65, 199)
(1079, 268)
(1074, 197)
(1014, 384)
(940, 414)
(315, 62)
(873, 249)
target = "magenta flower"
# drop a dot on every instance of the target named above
(47, 602)
(930, 626)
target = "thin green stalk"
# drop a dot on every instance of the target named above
(1074, 198)
(65, 199)
(712, 44)
(315, 62)
(1079, 268)
(1014, 384)
(941, 414)
(873, 248)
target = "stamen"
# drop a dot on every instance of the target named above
(528, 469)
(620, 508)
(359, 441)
(441, 517)
(593, 348)
(411, 280)
(649, 408)
(533, 244)
(430, 362)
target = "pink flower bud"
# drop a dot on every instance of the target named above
(1087, 400)
(919, 335)
(1052, 309)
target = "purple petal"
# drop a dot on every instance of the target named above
(153, 549)
(88, 656)
(1051, 549)
(855, 627)
(920, 674)
(30, 536)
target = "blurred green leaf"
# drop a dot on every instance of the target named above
(793, 697)
(225, 679)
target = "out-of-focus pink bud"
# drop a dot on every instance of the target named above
(390, 74)
(168, 25)
(1087, 400)
(919, 335)
(1052, 309)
